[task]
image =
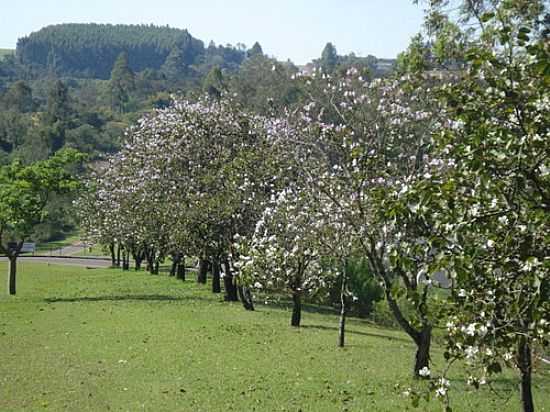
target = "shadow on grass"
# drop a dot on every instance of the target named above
(355, 332)
(284, 304)
(114, 298)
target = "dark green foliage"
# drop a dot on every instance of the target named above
(174, 66)
(214, 83)
(18, 98)
(363, 287)
(58, 107)
(13, 128)
(122, 83)
(255, 50)
(90, 50)
(329, 58)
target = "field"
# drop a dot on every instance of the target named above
(81, 340)
(6, 52)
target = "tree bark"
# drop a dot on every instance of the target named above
(216, 286)
(138, 258)
(296, 309)
(118, 255)
(180, 272)
(113, 257)
(525, 368)
(229, 285)
(246, 297)
(174, 267)
(343, 311)
(203, 268)
(125, 260)
(422, 357)
(12, 272)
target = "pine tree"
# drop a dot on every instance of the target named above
(122, 83)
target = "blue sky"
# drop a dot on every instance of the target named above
(296, 29)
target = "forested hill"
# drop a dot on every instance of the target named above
(90, 50)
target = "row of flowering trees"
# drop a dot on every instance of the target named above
(438, 181)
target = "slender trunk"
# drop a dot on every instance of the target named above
(525, 368)
(156, 267)
(138, 258)
(216, 286)
(246, 297)
(118, 255)
(423, 342)
(12, 272)
(113, 257)
(296, 309)
(229, 285)
(174, 267)
(203, 268)
(150, 256)
(180, 273)
(125, 260)
(343, 309)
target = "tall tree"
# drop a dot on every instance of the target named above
(122, 83)
(329, 58)
(174, 66)
(255, 50)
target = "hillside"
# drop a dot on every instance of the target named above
(6, 52)
(90, 50)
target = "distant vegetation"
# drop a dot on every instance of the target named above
(6, 52)
(90, 50)
(82, 85)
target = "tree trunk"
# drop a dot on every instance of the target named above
(174, 267)
(118, 255)
(229, 285)
(343, 309)
(180, 272)
(525, 368)
(422, 358)
(12, 272)
(150, 256)
(203, 268)
(216, 286)
(113, 257)
(296, 309)
(125, 260)
(246, 297)
(138, 258)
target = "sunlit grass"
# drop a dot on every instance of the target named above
(81, 339)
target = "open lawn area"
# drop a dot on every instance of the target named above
(80, 339)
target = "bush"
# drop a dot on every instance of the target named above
(362, 285)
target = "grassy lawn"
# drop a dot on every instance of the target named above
(81, 339)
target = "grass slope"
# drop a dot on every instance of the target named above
(6, 52)
(97, 340)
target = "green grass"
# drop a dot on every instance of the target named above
(95, 340)
(6, 52)
(46, 247)
(95, 250)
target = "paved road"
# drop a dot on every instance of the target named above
(61, 257)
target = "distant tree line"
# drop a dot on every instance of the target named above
(90, 50)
